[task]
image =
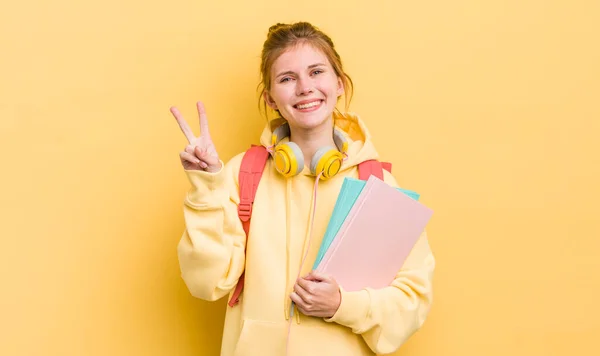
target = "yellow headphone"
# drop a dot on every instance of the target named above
(289, 159)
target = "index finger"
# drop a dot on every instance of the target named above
(306, 285)
(302, 293)
(187, 131)
(203, 120)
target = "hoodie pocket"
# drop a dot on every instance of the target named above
(264, 338)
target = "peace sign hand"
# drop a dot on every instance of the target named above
(200, 153)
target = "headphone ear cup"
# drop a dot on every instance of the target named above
(327, 160)
(289, 159)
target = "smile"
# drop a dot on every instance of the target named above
(308, 106)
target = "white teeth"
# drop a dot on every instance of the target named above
(309, 105)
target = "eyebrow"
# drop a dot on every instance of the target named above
(309, 67)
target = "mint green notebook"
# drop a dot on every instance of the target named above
(351, 188)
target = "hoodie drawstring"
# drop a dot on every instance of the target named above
(286, 301)
(305, 250)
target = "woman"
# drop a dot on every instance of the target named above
(285, 307)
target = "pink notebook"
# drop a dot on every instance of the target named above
(376, 237)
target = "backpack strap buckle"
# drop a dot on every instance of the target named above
(245, 211)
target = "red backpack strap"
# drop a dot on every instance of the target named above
(373, 167)
(387, 166)
(253, 164)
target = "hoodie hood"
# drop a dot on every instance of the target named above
(360, 146)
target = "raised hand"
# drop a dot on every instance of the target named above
(200, 153)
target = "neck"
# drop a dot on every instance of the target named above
(310, 140)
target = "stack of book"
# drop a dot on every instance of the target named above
(372, 230)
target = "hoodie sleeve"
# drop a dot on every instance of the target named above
(387, 317)
(211, 251)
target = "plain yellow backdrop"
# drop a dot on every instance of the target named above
(489, 109)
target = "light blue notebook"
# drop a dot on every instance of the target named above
(351, 188)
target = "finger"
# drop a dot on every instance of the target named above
(302, 307)
(318, 277)
(304, 311)
(297, 300)
(203, 154)
(189, 157)
(302, 293)
(203, 120)
(306, 285)
(187, 131)
(193, 149)
(186, 157)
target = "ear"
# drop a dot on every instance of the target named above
(340, 89)
(269, 100)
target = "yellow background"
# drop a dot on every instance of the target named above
(489, 109)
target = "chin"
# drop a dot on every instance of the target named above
(309, 123)
(311, 120)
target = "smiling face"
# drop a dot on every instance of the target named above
(304, 87)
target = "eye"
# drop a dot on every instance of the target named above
(317, 71)
(285, 79)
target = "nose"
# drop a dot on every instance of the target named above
(303, 87)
